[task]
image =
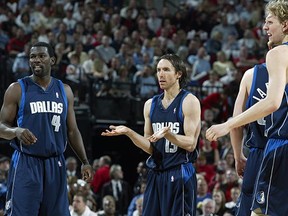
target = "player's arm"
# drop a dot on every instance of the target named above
(236, 134)
(74, 135)
(192, 126)
(8, 115)
(139, 140)
(277, 68)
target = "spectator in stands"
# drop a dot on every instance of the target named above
(231, 46)
(139, 206)
(219, 104)
(106, 51)
(230, 160)
(108, 206)
(210, 151)
(208, 207)
(153, 21)
(78, 49)
(118, 188)
(132, 6)
(249, 41)
(231, 205)
(62, 61)
(202, 190)
(133, 204)
(142, 176)
(74, 71)
(244, 60)
(123, 83)
(212, 84)
(79, 207)
(206, 170)
(68, 18)
(232, 180)
(4, 167)
(222, 65)
(5, 163)
(21, 66)
(71, 167)
(220, 201)
(23, 21)
(101, 176)
(201, 66)
(146, 82)
(95, 164)
(16, 44)
(224, 28)
(214, 45)
(117, 40)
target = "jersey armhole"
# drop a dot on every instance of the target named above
(21, 103)
(180, 111)
(153, 104)
(63, 94)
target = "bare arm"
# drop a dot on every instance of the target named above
(8, 129)
(192, 126)
(139, 140)
(236, 134)
(75, 138)
(277, 69)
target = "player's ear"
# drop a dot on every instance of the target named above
(52, 60)
(285, 27)
(179, 74)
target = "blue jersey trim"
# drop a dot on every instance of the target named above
(153, 104)
(63, 95)
(22, 102)
(180, 112)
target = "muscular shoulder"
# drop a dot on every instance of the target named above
(147, 107)
(190, 103)
(14, 91)
(278, 52)
(190, 99)
(247, 78)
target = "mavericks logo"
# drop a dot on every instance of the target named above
(8, 205)
(260, 197)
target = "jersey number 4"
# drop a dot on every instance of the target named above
(56, 122)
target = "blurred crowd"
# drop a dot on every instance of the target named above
(107, 48)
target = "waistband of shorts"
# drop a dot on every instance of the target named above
(40, 157)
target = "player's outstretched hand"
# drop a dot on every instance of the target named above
(87, 172)
(216, 131)
(25, 136)
(115, 130)
(159, 134)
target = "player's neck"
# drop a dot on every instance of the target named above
(171, 93)
(43, 82)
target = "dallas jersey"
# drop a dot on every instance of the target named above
(255, 136)
(255, 140)
(44, 113)
(165, 154)
(277, 122)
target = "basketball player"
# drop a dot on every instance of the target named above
(252, 89)
(171, 130)
(42, 106)
(270, 195)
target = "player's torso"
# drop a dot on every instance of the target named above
(255, 135)
(44, 113)
(172, 116)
